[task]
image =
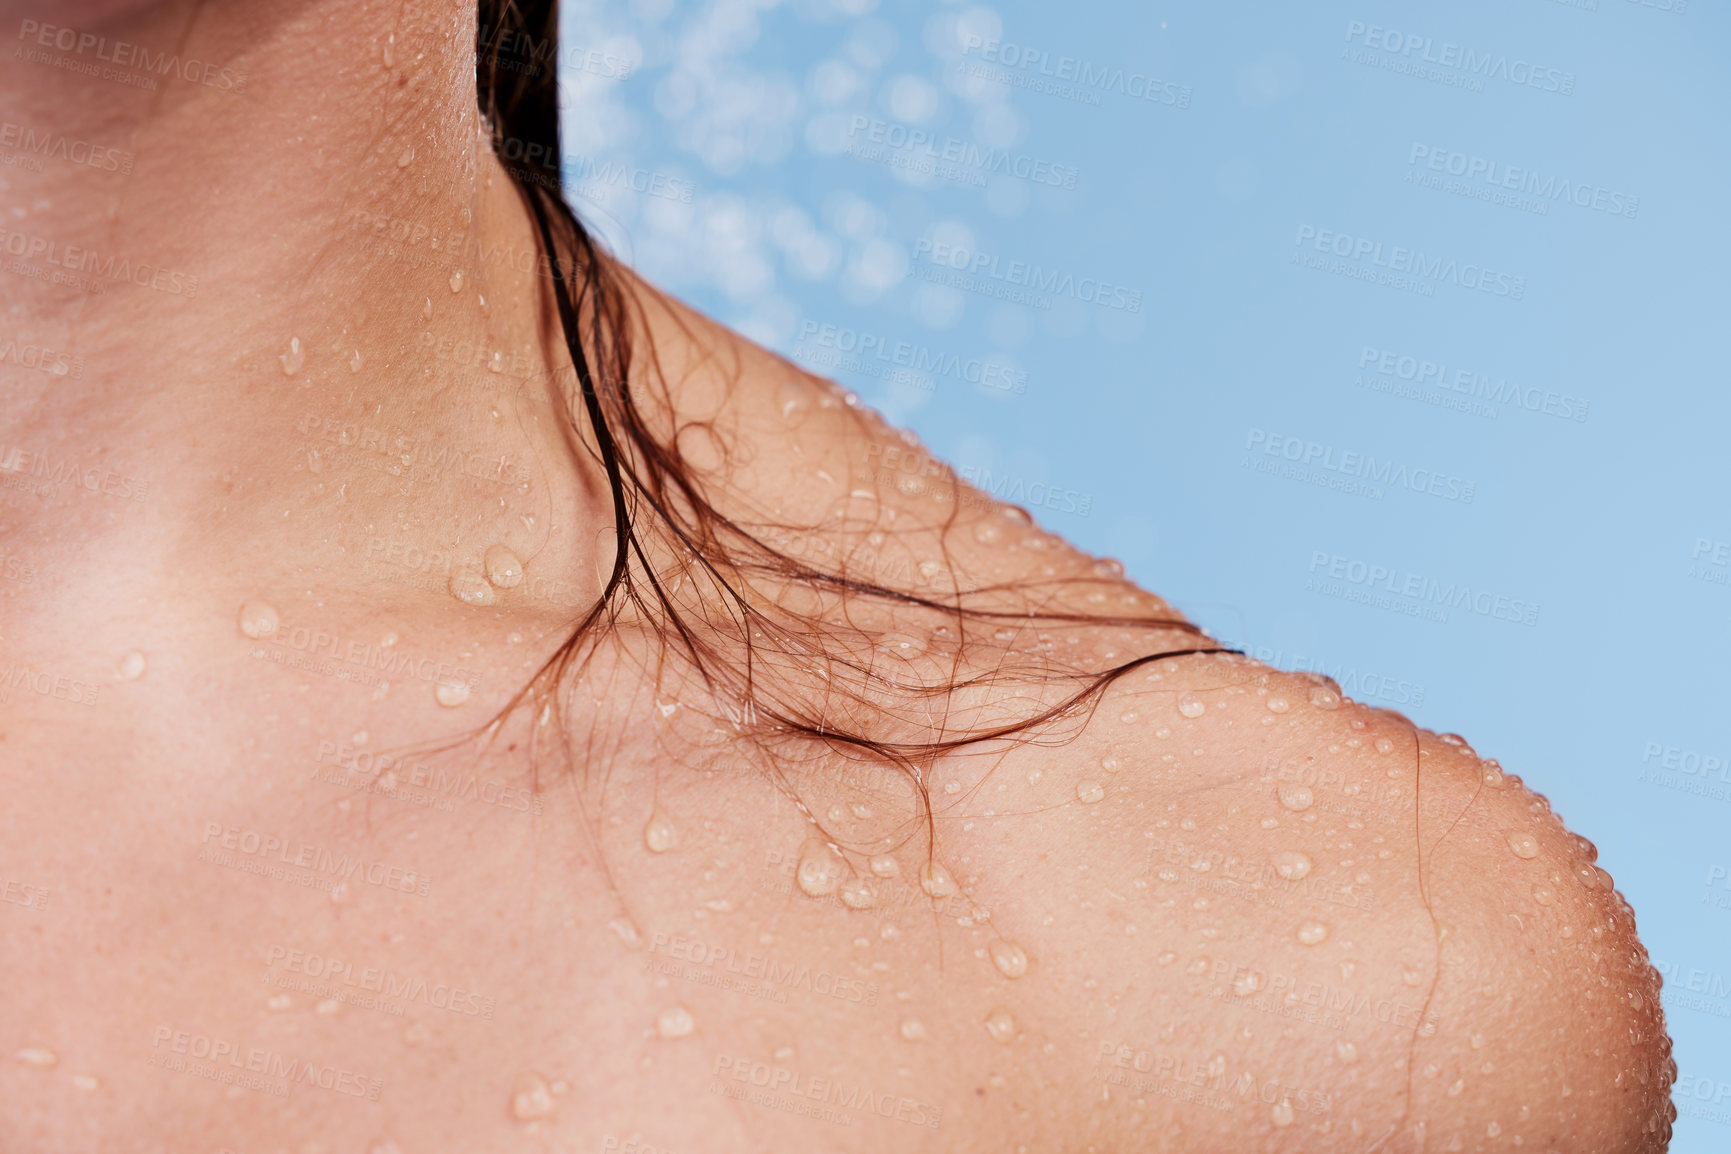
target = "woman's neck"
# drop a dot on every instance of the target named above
(237, 227)
(202, 194)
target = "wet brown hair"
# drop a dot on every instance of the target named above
(792, 683)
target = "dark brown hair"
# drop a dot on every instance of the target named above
(787, 681)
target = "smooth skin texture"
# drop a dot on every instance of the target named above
(1222, 911)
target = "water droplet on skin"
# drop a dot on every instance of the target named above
(1281, 1115)
(85, 1082)
(406, 157)
(1010, 959)
(820, 869)
(859, 894)
(293, 359)
(40, 1057)
(131, 667)
(1493, 1129)
(885, 866)
(1492, 775)
(427, 310)
(1090, 791)
(659, 835)
(1191, 705)
(1198, 967)
(1412, 977)
(1001, 1025)
(456, 281)
(502, 567)
(912, 1029)
(355, 361)
(389, 55)
(1278, 705)
(1635, 1000)
(471, 588)
(1292, 864)
(451, 693)
(279, 1002)
(987, 533)
(1347, 1052)
(1111, 764)
(794, 402)
(1247, 983)
(674, 1022)
(626, 931)
(1524, 845)
(258, 620)
(1295, 797)
(530, 1097)
(1324, 698)
(935, 879)
(1313, 933)
(1384, 745)
(328, 1006)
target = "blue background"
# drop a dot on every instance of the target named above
(727, 166)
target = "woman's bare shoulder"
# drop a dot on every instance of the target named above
(1259, 906)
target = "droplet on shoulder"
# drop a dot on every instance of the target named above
(451, 693)
(1001, 1025)
(1384, 745)
(259, 620)
(885, 866)
(659, 835)
(820, 869)
(530, 1097)
(1324, 698)
(40, 1057)
(471, 588)
(1523, 844)
(1090, 791)
(935, 879)
(675, 1022)
(1278, 704)
(1346, 1052)
(1292, 864)
(1011, 959)
(1191, 705)
(1313, 933)
(912, 1029)
(859, 894)
(131, 667)
(456, 281)
(1294, 796)
(1281, 1114)
(502, 567)
(293, 359)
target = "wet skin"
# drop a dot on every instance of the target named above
(1223, 910)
